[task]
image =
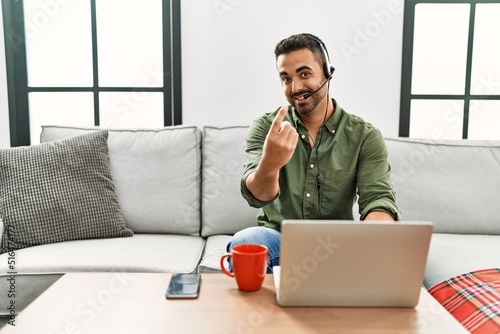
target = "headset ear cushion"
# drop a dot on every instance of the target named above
(326, 70)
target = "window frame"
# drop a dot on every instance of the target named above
(17, 74)
(407, 65)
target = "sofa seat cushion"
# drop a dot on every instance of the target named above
(215, 247)
(58, 191)
(473, 299)
(140, 253)
(451, 255)
(156, 174)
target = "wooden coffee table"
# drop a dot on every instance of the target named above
(135, 303)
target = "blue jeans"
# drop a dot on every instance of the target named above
(266, 236)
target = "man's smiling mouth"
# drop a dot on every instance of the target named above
(300, 96)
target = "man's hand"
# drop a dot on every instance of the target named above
(280, 143)
(378, 215)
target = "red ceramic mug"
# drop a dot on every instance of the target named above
(249, 263)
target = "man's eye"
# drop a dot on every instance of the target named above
(285, 79)
(305, 74)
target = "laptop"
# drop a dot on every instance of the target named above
(351, 263)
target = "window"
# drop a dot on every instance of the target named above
(109, 63)
(451, 70)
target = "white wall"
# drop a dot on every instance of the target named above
(4, 109)
(229, 74)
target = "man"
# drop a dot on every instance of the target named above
(308, 160)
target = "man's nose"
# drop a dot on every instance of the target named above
(297, 86)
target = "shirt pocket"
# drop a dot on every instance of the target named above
(338, 190)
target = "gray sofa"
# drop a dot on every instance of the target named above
(178, 189)
(456, 185)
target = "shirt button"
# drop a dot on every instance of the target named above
(303, 136)
(308, 195)
(312, 165)
(333, 131)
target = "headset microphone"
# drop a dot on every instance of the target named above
(314, 92)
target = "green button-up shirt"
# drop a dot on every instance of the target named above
(349, 159)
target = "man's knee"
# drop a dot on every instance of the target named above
(256, 235)
(248, 235)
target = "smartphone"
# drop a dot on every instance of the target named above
(184, 286)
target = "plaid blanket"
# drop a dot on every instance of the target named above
(473, 299)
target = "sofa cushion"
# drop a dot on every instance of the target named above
(58, 191)
(140, 253)
(224, 209)
(214, 249)
(473, 298)
(451, 255)
(156, 174)
(453, 183)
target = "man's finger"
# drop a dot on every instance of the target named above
(278, 119)
(289, 131)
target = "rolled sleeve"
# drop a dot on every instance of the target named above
(375, 188)
(247, 195)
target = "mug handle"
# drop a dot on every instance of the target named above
(224, 270)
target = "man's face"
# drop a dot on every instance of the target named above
(300, 74)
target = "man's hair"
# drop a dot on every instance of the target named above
(299, 42)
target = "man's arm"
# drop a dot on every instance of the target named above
(377, 196)
(278, 149)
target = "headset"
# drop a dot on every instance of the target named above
(328, 69)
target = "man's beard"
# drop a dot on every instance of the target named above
(306, 108)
